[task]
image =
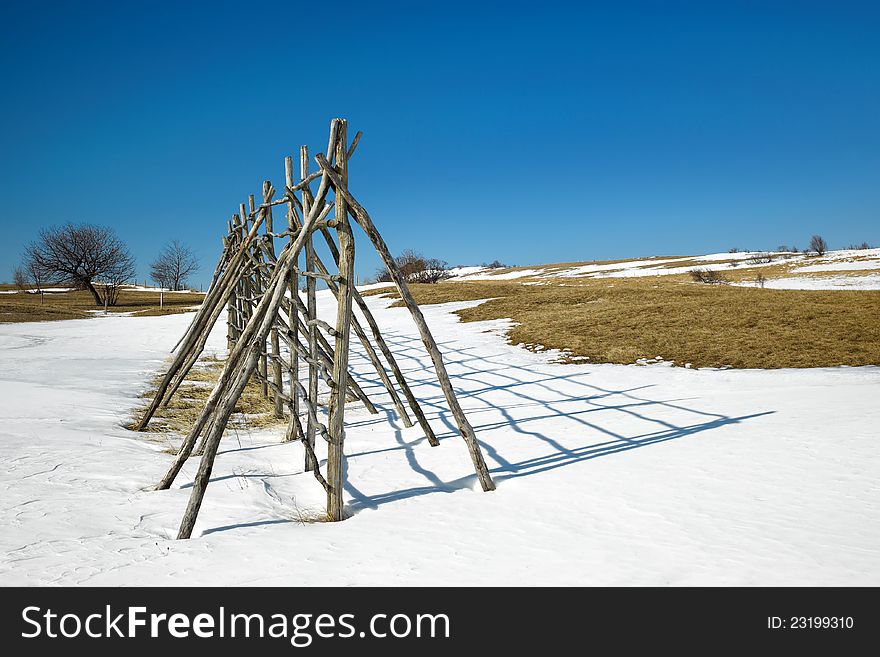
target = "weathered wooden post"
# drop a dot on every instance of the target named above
(339, 376)
(294, 427)
(262, 369)
(312, 314)
(277, 390)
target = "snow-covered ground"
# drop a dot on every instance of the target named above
(838, 282)
(606, 474)
(832, 261)
(854, 265)
(45, 289)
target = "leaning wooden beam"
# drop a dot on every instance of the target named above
(202, 324)
(196, 351)
(335, 448)
(218, 270)
(371, 354)
(363, 219)
(386, 351)
(354, 145)
(238, 370)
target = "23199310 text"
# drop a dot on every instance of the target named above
(810, 623)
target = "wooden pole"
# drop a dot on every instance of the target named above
(311, 313)
(368, 348)
(336, 428)
(193, 342)
(268, 193)
(294, 428)
(386, 350)
(263, 369)
(360, 215)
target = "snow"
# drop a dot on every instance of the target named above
(45, 289)
(143, 288)
(607, 474)
(625, 269)
(855, 265)
(457, 272)
(832, 261)
(847, 254)
(488, 275)
(611, 267)
(842, 282)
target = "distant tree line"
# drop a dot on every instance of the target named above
(817, 245)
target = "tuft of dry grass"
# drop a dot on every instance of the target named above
(26, 306)
(253, 411)
(626, 319)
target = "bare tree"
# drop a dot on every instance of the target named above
(85, 256)
(818, 244)
(174, 265)
(20, 279)
(760, 258)
(416, 268)
(37, 276)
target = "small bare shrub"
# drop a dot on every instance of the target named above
(707, 276)
(761, 259)
(760, 280)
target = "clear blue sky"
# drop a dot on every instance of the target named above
(528, 132)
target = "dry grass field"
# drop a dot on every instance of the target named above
(623, 320)
(27, 307)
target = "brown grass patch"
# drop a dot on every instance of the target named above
(253, 410)
(26, 307)
(623, 320)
